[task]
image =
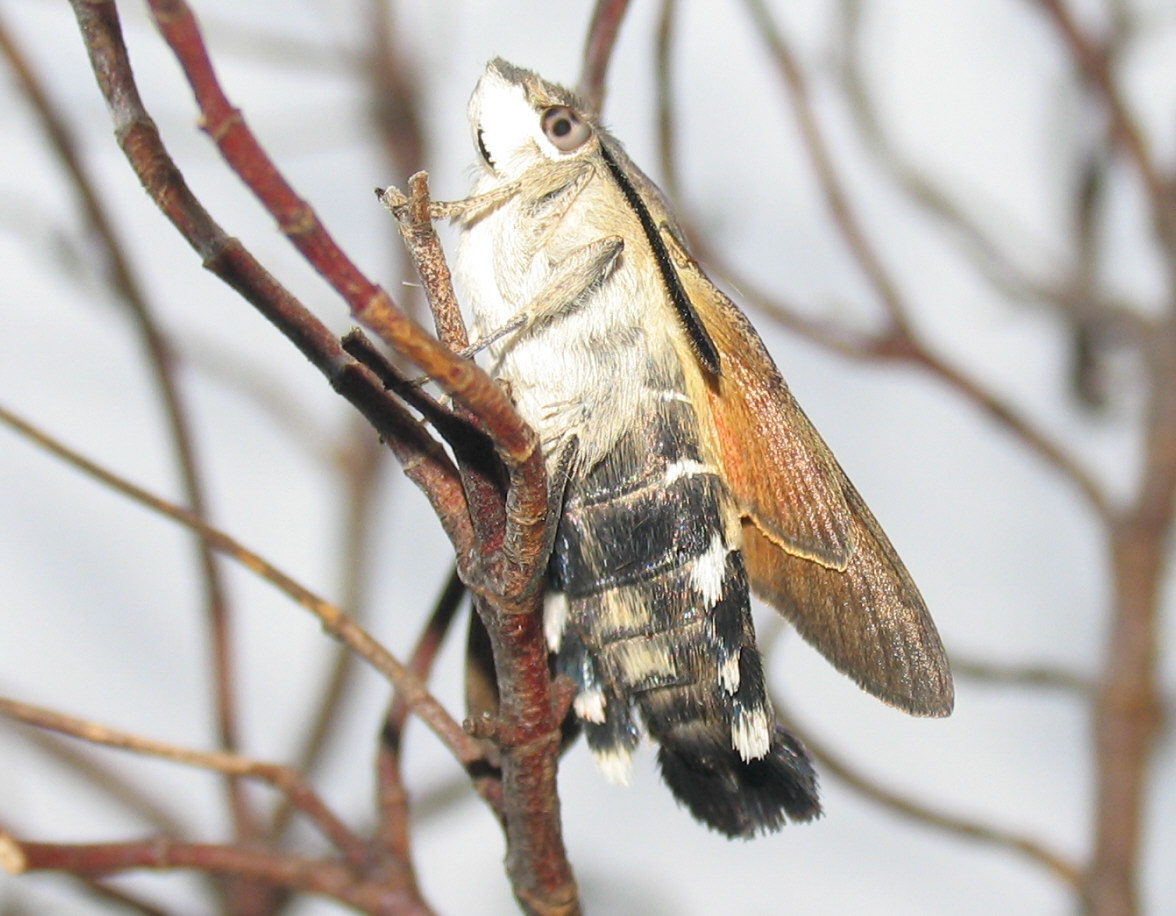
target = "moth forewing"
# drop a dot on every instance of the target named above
(780, 471)
(867, 620)
(812, 547)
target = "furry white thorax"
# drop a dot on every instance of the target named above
(579, 373)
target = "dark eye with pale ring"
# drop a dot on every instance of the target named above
(565, 128)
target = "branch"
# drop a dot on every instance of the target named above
(1095, 64)
(993, 262)
(284, 779)
(333, 620)
(114, 784)
(385, 897)
(607, 17)
(844, 215)
(900, 340)
(125, 286)
(908, 808)
(505, 572)
(424, 462)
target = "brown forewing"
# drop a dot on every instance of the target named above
(775, 462)
(812, 548)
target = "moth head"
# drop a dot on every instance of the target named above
(520, 121)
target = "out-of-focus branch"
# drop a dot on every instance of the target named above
(393, 796)
(1100, 320)
(908, 808)
(285, 780)
(371, 305)
(504, 570)
(1095, 61)
(111, 782)
(423, 460)
(384, 897)
(900, 340)
(844, 213)
(1044, 676)
(333, 620)
(607, 17)
(127, 289)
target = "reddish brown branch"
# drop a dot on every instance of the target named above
(285, 780)
(483, 486)
(393, 798)
(386, 897)
(508, 574)
(333, 620)
(1128, 703)
(371, 305)
(528, 732)
(895, 802)
(360, 462)
(126, 287)
(1095, 63)
(607, 17)
(507, 588)
(427, 256)
(423, 460)
(514, 566)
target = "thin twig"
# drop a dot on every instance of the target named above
(360, 466)
(334, 621)
(381, 897)
(908, 808)
(370, 305)
(1075, 302)
(506, 574)
(663, 78)
(113, 783)
(1095, 63)
(607, 17)
(843, 212)
(126, 287)
(393, 798)
(857, 345)
(284, 779)
(422, 459)
(1044, 676)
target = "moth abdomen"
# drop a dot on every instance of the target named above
(653, 623)
(735, 796)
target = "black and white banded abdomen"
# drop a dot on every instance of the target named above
(650, 616)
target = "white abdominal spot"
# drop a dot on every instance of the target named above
(707, 573)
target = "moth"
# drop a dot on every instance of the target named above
(687, 475)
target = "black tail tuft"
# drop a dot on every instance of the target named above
(737, 797)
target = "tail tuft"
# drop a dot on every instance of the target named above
(736, 797)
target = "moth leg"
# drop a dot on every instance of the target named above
(562, 463)
(557, 182)
(396, 201)
(547, 201)
(571, 282)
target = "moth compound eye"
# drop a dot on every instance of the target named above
(564, 128)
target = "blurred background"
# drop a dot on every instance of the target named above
(101, 612)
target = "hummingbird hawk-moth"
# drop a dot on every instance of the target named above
(689, 476)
